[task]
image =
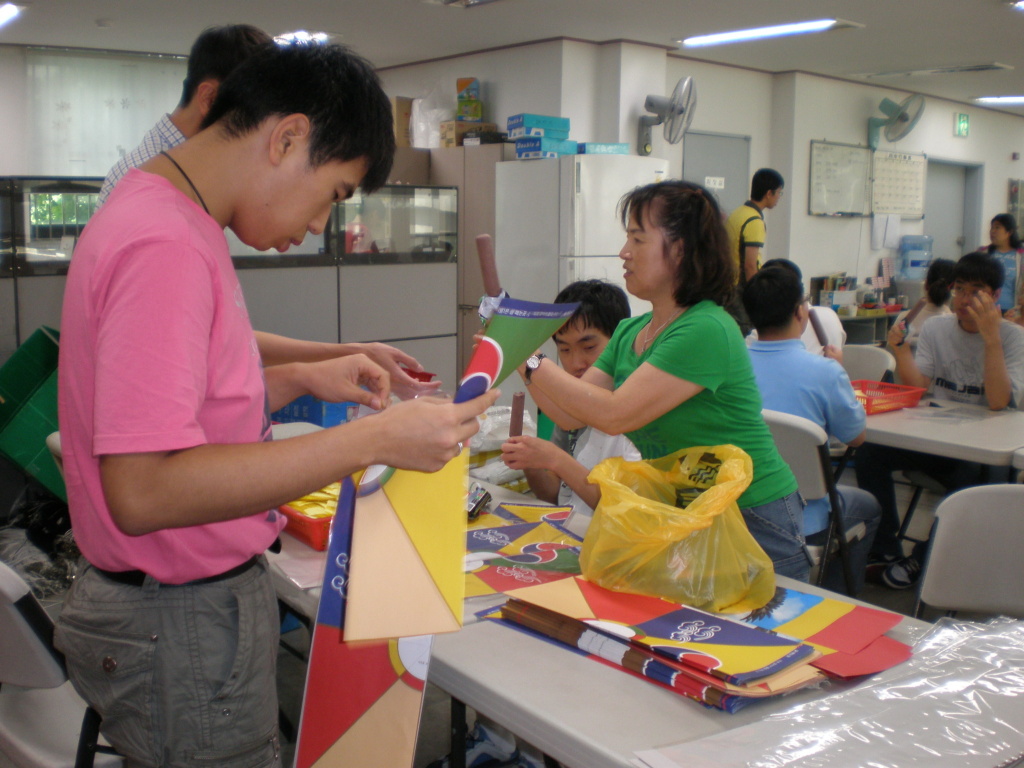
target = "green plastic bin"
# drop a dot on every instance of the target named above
(28, 411)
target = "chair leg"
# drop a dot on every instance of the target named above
(836, 528)
(459, 731)
(905, 525)
(88, 739)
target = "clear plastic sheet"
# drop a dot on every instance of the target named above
(959, 701)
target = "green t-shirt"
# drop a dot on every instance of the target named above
(704, 346)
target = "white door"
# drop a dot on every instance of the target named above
(944, 210)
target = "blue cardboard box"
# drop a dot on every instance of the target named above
(531, 123)
(537, 146)
(599, 148)
(308, 408)
(526, 131)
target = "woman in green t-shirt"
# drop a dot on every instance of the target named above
(680, 376)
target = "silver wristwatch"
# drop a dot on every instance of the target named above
(532, 364)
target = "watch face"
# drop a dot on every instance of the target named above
(533, 362)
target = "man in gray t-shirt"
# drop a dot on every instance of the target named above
(971, 356)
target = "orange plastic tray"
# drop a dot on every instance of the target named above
(314, 531)
(879, 397)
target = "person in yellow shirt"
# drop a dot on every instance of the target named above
(746, 230)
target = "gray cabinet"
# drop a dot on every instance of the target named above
(867, 330)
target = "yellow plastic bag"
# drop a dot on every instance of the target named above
(671, 528)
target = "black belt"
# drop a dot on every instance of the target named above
(138, 578)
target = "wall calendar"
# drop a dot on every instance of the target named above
(898, 184)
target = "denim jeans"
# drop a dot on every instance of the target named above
(182, 675)
(778, 527)
(875, 464)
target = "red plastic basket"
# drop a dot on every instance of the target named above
(879, 397)
(314, 531)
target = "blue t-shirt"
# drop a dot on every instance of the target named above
(1008, 294)
(794, 381)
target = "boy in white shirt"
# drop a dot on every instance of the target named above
(557, 470)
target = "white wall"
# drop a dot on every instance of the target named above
(512, 80)
(730, 101)
(601, 88)
(837, 111)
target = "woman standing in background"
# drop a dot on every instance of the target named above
(1005, 246)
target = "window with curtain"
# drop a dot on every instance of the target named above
(87, 109)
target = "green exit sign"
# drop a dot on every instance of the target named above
(961, 124)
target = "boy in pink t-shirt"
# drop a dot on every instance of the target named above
(169, 630)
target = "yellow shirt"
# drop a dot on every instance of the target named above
(745, 227)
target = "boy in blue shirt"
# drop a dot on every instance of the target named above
(792, 380)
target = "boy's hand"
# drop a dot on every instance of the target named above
(987, 315)
(343, 379)
(427, 433)
(833, 352)
(526, 452)
(897, 335)
(395, 361)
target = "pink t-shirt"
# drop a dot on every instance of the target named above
(156, 354)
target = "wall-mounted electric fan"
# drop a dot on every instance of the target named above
(676, 112)
(899, 119)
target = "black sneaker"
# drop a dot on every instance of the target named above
(876, 566)
(902, 574)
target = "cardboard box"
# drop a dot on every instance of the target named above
(453, 131)
(536, 147)
(526, 131)
(837, 298)
(307, 408)
(598, 148)
(401, 112)
(28, 408)
(467, 88)
(547, 123)
(470, 110)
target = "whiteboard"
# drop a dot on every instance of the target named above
(898, 186)
(840, 178)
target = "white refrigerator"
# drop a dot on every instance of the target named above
(557, 220)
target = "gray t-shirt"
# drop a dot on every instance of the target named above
(955, 360)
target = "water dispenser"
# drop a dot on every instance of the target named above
(915, 256)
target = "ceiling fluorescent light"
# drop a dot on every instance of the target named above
(956, 69)
(1000, 100)
(467, 3)
(780, 30)
(8, 11)
(301, 36)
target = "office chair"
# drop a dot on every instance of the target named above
(866, 361)
(804, 447)
(53, 445)
(43, 721)
(974, 563)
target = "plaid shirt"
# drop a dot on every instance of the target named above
(161, 136)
